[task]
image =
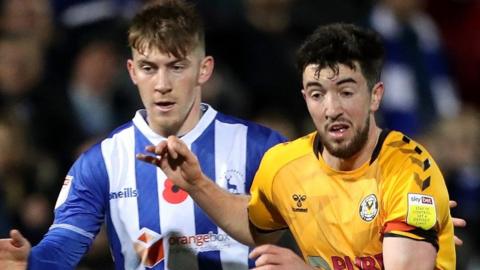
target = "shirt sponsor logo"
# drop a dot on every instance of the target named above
(421, 211)
(299, 199)
(347, 263)
(200, 242)
(125, 193)
(368, 208)
(361, 262)
(149, 247)
(427, 200)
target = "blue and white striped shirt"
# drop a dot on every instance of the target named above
(152, 224)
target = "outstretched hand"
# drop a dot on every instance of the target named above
(275, 257)
(457, 223)
(177, 161)
(14, 251)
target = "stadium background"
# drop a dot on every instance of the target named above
(64, 85)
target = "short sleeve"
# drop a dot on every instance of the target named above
(82, 202)
(262, 211)
(416, 200)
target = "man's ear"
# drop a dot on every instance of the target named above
(131, 71)
(206, 69)
(376, 96)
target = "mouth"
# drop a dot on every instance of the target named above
(164, 106)
(338, 130)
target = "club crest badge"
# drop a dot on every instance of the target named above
(369, 208)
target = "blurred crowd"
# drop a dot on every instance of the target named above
(64, 85)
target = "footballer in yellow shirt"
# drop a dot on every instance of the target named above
(339, 218)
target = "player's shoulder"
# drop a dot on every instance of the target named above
(291, 150)
(233, 120)
(255, 130)
(93, 150)
(399, 150)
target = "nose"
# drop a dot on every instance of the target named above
(333, 107)
(163, 82)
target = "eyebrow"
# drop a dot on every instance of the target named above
(144, 61)
(346, 80)
(173, 62)
(343, 81)
(314, 83)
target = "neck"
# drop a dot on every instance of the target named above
(179, 127)
(192, 120)
(358, 159)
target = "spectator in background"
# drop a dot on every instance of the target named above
(75, 13)
(33, 19)
(461, 167)
(264, 47)
(94, 90)
(459, 22)
(20, 178)
(226, 92)
(28, 96)
(416, 72)
(11, 179)
(169, 67)
(27, 17)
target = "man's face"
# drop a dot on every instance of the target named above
(340, 106)
(170, 88)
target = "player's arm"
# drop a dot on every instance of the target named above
(227, 210)
(54, 252)
(58, 250)
(418, 233)
(79, 213)
(404, 253)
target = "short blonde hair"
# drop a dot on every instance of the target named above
(171, 26)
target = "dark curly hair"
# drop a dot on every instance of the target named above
(172, 26)
(342, 43)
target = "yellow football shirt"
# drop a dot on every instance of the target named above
(339, 218)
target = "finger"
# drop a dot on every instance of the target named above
(150, 149)
(258, 251)
(177, 147)
(172, 142)
(160, 148)
(458, 241)
(267, 259)
(17, 239)
(459, 222)
(452, 204)
(156, 149)
(149, 159)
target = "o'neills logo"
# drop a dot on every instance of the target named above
(125, 193)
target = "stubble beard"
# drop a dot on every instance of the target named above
(345, 150)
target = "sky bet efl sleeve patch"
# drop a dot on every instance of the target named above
(421, 211)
